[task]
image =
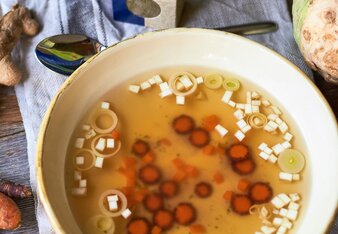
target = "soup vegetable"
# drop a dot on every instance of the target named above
(187, 153)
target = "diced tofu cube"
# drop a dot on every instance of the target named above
(288, 136)
(268, 128)
(239, 135)
(272, 117)
(101, 144)
(294, 197)
(272, 158)
(255, 109)
(79, 191)
(281, 230)
(105, 105)
(145, 85)
(99, 162)
(77, 175)
(264, 155)
(241, 123)
(272, 124)
(222, 131)
(255, 95)
(239, 114)
(134, 88)
(278, 121)
(266, 103)
(240, 106)
(199, 80)
(283, 127)
(277, 222)
(277, 149)
(157, 79)
(79, 142)
(113, 205)
(227, 96)
(285, 176)
(83, 183)
(277, 202)
(152, 81)
(232, 103)
(91, 133)
(126, 213)
(295, 177)
(165, 93)
(246, 128)
(180, 100)
(248, 97)
(79, 160)
(256, 103)
(276, 110)
(285, 198)
(286, 145)
(283, 212)
(293, 206)
(110, 143)
(248, 109)
(86, 127)
(164, 86)
(286, 223)
(268, 230)
(268, 150)
(185, 80)
(262, 146)
(112, 198)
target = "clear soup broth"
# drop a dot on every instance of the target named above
(148, 117)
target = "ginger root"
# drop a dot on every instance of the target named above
(10, 215)
(16, 22)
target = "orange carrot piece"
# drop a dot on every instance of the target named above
(210, 122)
(228, 195)
(116, 135)
(180, 175)
(191, 171)
(185, 213)
(243, 185)
(197, 229)
(208, 150)
(156, 230)
(241, 204)
(178, 163)
(260, 192)
(199, 137)
(139, 195)
(238, 152)
(140, 147)
(148, 158)
(218, 177)
(220, 150)
(150, 174)
(183, 124)
(138, 226)
(129, 162)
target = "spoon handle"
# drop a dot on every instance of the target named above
(251, 29)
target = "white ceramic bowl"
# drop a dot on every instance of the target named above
(197, 47)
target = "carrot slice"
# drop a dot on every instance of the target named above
(140, 147)
(185, 213)
(150, 174)
(148, 158)
(197, 229)
(138, 226)
(260, 192)
(244, 167)
(218, 177)
(169, 188)
(203, 189)
(180, 175)
(140, 194)
(183, 124)
(178, 163)
(238, 152)
(243, 185)
(191, 171)
(116, 135)
(199, 137)
(164, 219)
(241, 204)
(210, 122)
(228, 195)
(156, 230)
(153, 202)
(208, 150)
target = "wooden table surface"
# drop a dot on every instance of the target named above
(13, 144)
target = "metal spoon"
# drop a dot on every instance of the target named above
(65, 53)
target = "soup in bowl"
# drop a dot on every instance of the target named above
(188, 131)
